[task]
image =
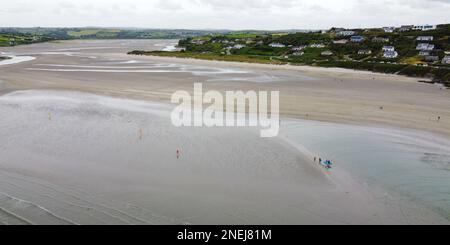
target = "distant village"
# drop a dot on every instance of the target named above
(13, 39)
(420, 45)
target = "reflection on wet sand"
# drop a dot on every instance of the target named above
(74, 157)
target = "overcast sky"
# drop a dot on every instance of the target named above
(223, 14)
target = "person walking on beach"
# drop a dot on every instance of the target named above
(178, 154)
(439, 118)
(315, 159)
(141, 134)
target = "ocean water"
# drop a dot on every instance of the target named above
(413, 164)
(16, 59)
(126, 149)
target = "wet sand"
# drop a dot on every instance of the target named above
(334, 95)
(75, 158)
(70, 157)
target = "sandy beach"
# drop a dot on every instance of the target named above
(323, 94)
(86, 139)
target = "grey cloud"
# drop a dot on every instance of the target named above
(230, 14)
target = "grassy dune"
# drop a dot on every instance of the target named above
(207, 56)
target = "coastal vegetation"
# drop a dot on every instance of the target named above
(7, 39)
(46, 34)
(385, 50)
(210, 56)
(360, 49)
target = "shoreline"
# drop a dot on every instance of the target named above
(291, 67)
(301, 100)
(340, 73)
(314, 94)
(344, 188)
(13, 59)
(287, 66)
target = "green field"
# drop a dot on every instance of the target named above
(205, 56)
(258, 47)
(38, 34)
(19, 39)
(97, 33)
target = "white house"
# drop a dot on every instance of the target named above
(424, 53)
(317, 45)
(390, 54)
(341, 41)
(299, 48)
(365, 51)
(327, 53)
(298, 53)
(380, 40)
(446, 60)
(425, 47)
(277, 45)
(388, 48)
(198, 42)
(249, 41)
(238, 46)
(406, 28)
(425, 27)
(389, 29)
(346, 33)
(425, 38)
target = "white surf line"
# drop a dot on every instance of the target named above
(48, 196)
(413, 137)
(51, 52)
(39, 207)
(157, 216)
(129, 62)
(169, 48)
(77, 195)
(205, 69)
(77, 98)
(16, 216)
(86, 48)
(109, 215)
(108, 67)
(137, 71)
(16, 59)
(108, 71)
(195, 70)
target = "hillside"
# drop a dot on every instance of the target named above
(12, 39)
(95, 33)
(407, 50)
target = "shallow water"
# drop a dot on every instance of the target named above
(91, 57)
(16, 59)
(414, 164)
(123, 150)
(79, 158)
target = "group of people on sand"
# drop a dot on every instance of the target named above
(328, 164)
